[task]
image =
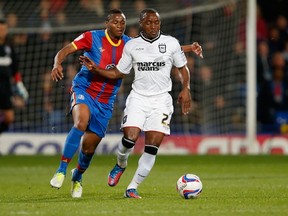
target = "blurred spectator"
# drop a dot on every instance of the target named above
(71, 71)
(115, 4)
(132, 31)
(285, 51)
(273, 95)
(92, 7)
(262, 31)
(41, 15)
(57, 6)
(55, 102)
(60, 19)
(236, 89)
(139, 5)
(281, 25)
(12, 20)
(274, 41)
(263, 62)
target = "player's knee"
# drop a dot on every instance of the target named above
(151, 149)
(128, 143)
(80, 125)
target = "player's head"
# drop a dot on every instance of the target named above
(150, 23)
(3, 30)
(115, 23)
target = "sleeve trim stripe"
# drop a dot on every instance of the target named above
(74, 45)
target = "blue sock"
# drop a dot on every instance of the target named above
(83, 163)
(70, 147)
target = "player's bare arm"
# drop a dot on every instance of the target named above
(112, 73)
(194, 47)
(57, 71)
(184, 97)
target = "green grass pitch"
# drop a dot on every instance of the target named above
(232, 185)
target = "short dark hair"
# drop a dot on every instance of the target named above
(147, 10)
(112, 12)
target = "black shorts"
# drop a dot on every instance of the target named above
(5, 97)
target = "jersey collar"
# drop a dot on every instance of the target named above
(150, 40)
(111, 41)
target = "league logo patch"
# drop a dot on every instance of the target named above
(162, 48)
(124, 119)
(81, 97)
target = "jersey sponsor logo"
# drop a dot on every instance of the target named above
(150, 66)
(139, 49)
(110, 66)
(79, 37)
(162, 48)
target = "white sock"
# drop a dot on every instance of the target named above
(145, 164)
(122, 155)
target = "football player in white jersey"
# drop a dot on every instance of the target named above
(149, 105)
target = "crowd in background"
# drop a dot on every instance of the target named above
(209, 114)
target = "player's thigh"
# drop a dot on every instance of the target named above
(80, 106)
(135, 113)
(159, 120)
(99, 120)
(81, 113)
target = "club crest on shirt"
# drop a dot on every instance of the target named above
(81, 97)
(162, 48)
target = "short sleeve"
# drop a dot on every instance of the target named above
(179, 58)
(83, 41)
(125, 63)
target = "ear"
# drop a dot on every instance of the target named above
(140, 24)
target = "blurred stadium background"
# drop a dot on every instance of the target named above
(218, 122)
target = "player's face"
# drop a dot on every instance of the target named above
(150, 25)
(116, 26)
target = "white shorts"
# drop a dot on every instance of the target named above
(149, 113)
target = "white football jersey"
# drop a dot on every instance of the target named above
(152, 61)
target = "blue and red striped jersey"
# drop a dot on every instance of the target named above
(99, 47)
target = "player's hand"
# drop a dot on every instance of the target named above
(87, 62)
(197, 49)
(184, 98)
(57, 73)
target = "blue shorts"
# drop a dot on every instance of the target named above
(100, 113)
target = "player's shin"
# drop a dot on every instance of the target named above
(71, 146)
(83, 163)
(145, 164)
(124, 149)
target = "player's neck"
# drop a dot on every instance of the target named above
(113, 41)
(143, 35)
